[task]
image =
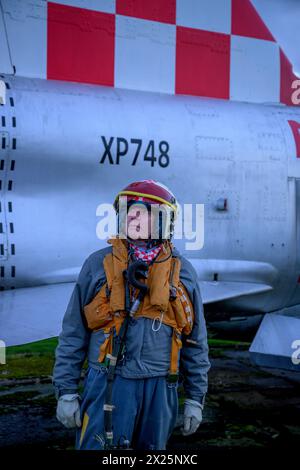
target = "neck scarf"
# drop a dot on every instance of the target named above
(144, 254)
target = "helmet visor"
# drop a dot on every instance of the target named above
(140, 220)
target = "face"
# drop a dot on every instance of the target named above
(144, 224)
(138, 222)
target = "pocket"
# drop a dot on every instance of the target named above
(97, 312)
(155, 346)
(93, 374)
(97, 338)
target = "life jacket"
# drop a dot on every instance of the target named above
(167, 299)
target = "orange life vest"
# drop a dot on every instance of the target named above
(167, 299)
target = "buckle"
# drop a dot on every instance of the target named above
(106, 361)
(172, 378)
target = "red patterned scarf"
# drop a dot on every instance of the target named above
(144, 254)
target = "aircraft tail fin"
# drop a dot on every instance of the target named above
(209, 48)
(268, 74)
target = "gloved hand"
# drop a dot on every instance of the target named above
(68, 410)
(192, 416)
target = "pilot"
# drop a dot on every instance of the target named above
(136, 315)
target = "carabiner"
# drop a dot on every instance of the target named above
(158, 319)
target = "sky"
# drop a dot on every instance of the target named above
(282, 17)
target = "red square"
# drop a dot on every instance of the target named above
(202, 63)
(245, 21)
(154, 10)
(81, 45)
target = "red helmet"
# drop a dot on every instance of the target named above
(149, 192)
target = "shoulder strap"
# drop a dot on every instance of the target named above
(109, 269)
(174, 276)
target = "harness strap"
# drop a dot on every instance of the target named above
(183, 324)
(175, 348)
(107, 346)
(109, 270)
(173, 290)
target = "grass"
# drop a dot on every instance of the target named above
(231, 344)
(35, 360)
(46, 346)
(29, 360)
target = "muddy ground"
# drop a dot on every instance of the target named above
(246, 407)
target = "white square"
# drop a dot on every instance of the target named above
(210, 15)
(26, 24)
(145, 55)
(254, 70)
(107, 6)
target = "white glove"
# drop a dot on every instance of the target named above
(68, 410)
(192, 416)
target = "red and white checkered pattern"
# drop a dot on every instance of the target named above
(213, 48)
(143, 254)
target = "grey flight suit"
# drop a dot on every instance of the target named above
(148, 414)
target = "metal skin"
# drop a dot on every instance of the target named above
(53, 181)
